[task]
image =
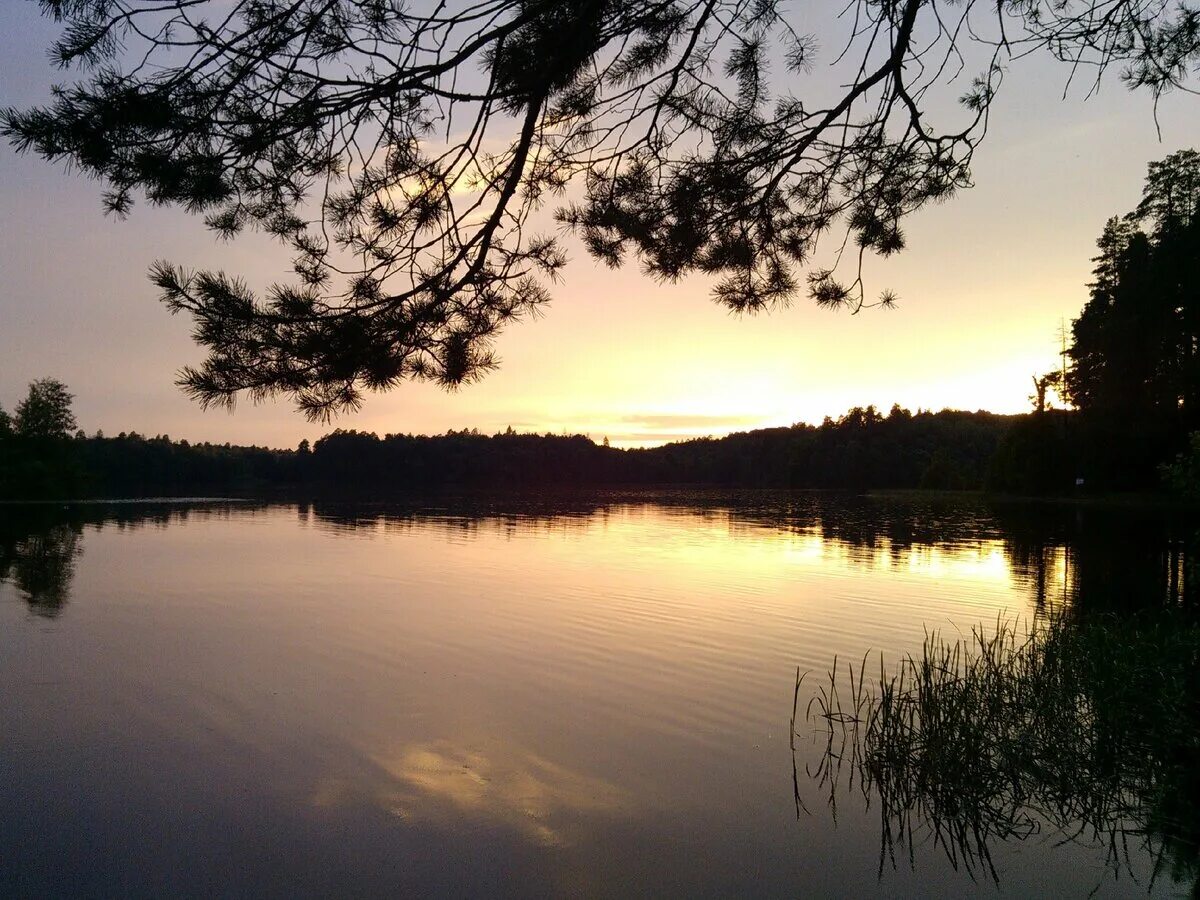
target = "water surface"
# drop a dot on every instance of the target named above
(585, 695)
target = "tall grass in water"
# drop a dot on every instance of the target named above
(1082, 728)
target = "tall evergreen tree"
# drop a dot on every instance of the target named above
(1135, 371)
(1134, 348)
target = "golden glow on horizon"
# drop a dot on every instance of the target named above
(638, 397)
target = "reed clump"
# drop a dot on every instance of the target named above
(1088, 728)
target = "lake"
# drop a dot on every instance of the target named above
(574, 694)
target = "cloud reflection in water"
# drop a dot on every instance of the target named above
(439, 782)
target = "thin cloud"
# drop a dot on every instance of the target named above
(687, 422)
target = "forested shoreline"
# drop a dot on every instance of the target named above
(861, 450)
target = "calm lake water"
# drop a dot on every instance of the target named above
(572, 695)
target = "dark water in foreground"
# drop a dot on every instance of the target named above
(557, 696)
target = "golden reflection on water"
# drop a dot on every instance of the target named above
(709, 540)
(984, 560)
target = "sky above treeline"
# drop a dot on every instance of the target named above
(984, 285)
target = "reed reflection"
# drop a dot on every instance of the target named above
(1085, 728)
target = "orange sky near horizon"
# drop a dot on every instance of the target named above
(984, 285)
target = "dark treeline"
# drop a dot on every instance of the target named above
(131, 465)
(862, 449)
(947, 450)
(1132, 367)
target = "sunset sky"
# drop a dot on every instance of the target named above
(983, 286)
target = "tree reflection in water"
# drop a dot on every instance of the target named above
(1085, 726)
(40, 562)
(41, 543)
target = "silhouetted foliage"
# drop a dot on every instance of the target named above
(46, 411)
(132, 465)
(1037, 456)
(400, 152)
(1183, 475)
(860, 450)
(1134, 370)
(863, 449)
(37, 455)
